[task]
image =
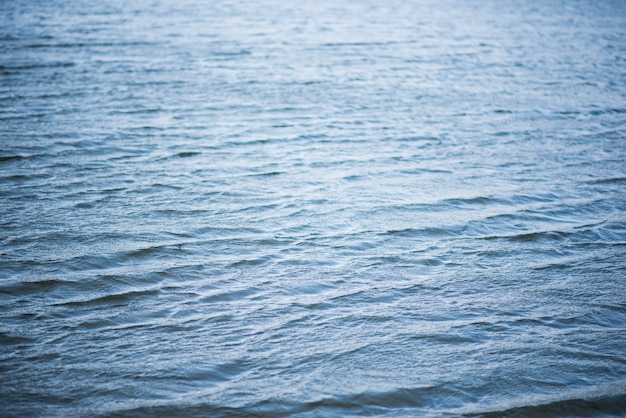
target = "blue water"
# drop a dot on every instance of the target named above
(314, 209)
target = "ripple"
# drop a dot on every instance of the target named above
(123, 298)
(605, 400)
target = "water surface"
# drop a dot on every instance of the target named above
(317, 208)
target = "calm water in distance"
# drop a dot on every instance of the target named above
(314, 208)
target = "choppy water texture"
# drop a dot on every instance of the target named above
(313, 208)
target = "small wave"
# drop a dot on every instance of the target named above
(85, 44)
(6, 158)
(115, 259)
(520, 199)
(608, 399)
(267, 174)
(23, 288)
(317, 306)
(610, 180)
(366, 44)
(8, 339)
(235, 53)
(250, 262)
(555, 322)
(422, 232)
(166, 186)
(532, 236)
(599, 112)
(479, 200)
(25, 116)
(223, 232)
(137, 111)
(202, 410)
(187, 154)
(35, 66)
(218, 373)
(362, 403)
(122, 298)
(553, 266)
(233, 295)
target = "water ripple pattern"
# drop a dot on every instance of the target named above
(314, 208)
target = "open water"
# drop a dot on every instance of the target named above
(313, 208)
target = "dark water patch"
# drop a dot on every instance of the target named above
(268, 174)
(10, 68)
(471, 201)
(448, 338)
(7, 158)
(592, 405)
(123, 298)
(554, 266)
(615, 180)
(424, 232)
(188, 154)
(599, 112)
(79, 45)
(85, 205)
(231, 53)
(24, 288)
(115, 259)
(166, 186)
(98, 323)
(252, 261)
(534, 236)
(317, 306)
(8, 339)
(185, 410)
(28, 116)
(138, 111)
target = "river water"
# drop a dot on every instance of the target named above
(315, 208)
